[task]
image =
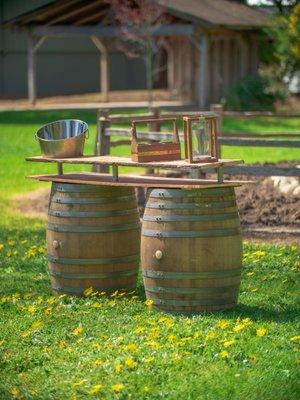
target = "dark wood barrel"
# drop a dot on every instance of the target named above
(93, 238)
(191, 249)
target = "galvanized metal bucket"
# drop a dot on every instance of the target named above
(62, 139)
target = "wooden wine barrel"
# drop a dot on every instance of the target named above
(93, 238)
(191, 249)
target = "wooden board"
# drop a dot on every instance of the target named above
(125, 161)
(90, 178)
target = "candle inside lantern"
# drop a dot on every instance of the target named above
(200, 138)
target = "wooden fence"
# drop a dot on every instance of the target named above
(290, 140)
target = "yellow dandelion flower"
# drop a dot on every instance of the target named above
(48, 311)
(250, 273)
(96, 346)
(26, 334)
(11, 243)
(31, 309)
(51, 300)
(77, 331)
(210, 335)
(223, 324)
(95, 389)
(2, 341)
(196, 335)
(96, 304)
(252, 357)
(247, 321)
(153, 344)
(132, 347)
(146, 389)
(172, 338)
(130, 363)
(62, 344)
(259, 253)
(261, 332)
(80, 340)
(139, 330)
(1, 246)
(118, 387)
(229, 343)
(149, 303)
(37, 325)
(254, 290)
(87, 292)
(148, 360)
(224, 354)
(239, 327)
(97, 363)
(78, 383)
(295, 338)
(118, 367)
(15, 392)
(73, 397)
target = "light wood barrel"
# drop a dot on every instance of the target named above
(93, 238)
(191, 249)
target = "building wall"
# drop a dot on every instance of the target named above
(64, 65)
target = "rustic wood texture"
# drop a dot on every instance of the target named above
(191, 250)
(93, 238)
(163, 151)
(90, 178)
(125, 161)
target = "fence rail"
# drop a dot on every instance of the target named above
(263, 139)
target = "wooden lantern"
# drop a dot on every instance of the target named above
(200, 138)
(163, 151)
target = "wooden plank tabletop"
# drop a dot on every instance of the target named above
(93, 178)
(126, 161)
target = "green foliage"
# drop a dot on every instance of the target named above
(280, 51)
(249, 93)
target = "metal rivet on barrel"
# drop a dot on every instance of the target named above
(158, 254)
(158, 219)
(161, 206)
(55, 244)
(159, 234)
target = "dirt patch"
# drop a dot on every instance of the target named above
(33, 204)
(266, 214)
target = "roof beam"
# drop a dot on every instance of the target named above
(93, 17)
(107, 31)
(73, 12)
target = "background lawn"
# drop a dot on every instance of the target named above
(119, 348)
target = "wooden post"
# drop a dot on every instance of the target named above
(203, 72)
(104, 66)
(33, 45)
(153, 127)
(218, 109)
(102, 142)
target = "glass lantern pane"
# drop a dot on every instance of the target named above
(200, 138)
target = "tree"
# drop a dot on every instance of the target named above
(137, 20)
(284, 58)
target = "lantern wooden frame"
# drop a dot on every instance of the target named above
(213, 139)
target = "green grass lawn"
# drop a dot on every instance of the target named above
(119, 348)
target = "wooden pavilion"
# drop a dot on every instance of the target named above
(207, 45)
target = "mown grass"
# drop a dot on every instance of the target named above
(118, 347)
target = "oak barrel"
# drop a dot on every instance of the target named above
(191, 249)
(93, 238)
